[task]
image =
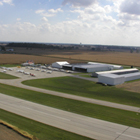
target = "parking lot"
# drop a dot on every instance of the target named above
(26, 73)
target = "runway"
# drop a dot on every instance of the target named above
(82, 125)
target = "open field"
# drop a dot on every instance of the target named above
(88, 89)
(87, 109)
(39, 130)
(123, 58)
(19, 58)
(131, 86)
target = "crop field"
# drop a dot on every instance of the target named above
(19, 58)
(123, 58)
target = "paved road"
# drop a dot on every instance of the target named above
(86, 126)
(39, 74)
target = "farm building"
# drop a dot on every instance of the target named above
(88, 67)
(59, 64)
(118, 77)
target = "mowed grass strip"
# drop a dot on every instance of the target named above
(39, 130)
(88, 89)
(7, 76)
(87, 109)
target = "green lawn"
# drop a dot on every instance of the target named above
(7, 76)
(39, 130)
(9, 65)
(86, 88)
(87, 109)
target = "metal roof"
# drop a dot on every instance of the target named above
(62, 62)
(116, 71)
(111, 75)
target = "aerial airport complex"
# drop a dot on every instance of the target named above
(108, 74)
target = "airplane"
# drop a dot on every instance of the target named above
(49, 72)
(32, 68)
(10, 69)
(26, 73)
(20, 71)
(43, 70)
(4, 71)
(37, 69)
(32, 74)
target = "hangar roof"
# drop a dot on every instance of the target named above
(117, 71)
(112, 75)
(85, 66)
(62, 62)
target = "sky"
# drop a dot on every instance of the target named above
(106, 22)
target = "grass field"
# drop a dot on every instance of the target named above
(7, 76)
(39, 130)
(87, 109)
(86, 88)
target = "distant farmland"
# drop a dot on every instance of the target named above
(19, 58)
(122, 58)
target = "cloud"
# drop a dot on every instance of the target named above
(45, 19)
(6, 1)
(130, 7)
(55, 11)
(18, 19)
(79, 3)
(49, 13)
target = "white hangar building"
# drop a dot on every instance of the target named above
(59, 64)
(90, 67)
(121, 76)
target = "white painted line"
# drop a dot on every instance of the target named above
(128, 136)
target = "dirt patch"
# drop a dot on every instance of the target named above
(132, 86)
(9, 134)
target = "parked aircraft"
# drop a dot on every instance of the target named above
(26, 73)
(49, 72)
(32, 74)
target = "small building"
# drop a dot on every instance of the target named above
(59, 64)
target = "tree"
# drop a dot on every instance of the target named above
(131, 50)
(3, 48)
